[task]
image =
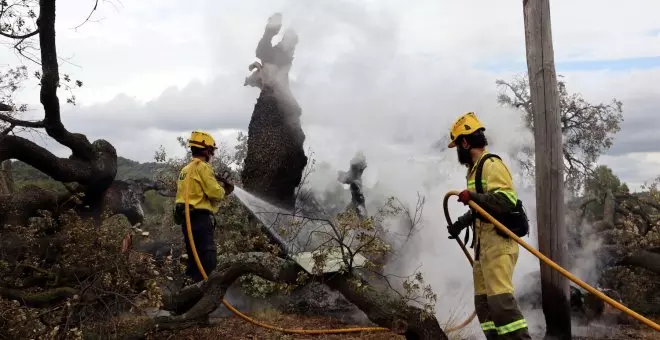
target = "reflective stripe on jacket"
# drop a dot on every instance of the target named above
(495, 178)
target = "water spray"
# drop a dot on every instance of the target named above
(233, 309)
(245, 198)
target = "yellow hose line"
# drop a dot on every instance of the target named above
(558, 268)
(467, 254)
(239, 313)
(462, 324)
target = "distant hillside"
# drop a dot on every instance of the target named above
(126, 169)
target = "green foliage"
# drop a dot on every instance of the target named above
(65, 83)
(154, 203)
(240, 150)
(588, 129)
(604, 180)
(128, 169)
(18, 17)
(11, 80)
(24, 174)
(74, 255)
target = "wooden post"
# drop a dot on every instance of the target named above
(549, 166)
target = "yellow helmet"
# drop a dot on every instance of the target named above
(464, 125)
(201, 139)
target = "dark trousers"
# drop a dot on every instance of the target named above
(203, 225)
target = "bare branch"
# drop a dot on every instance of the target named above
(96, 4)
(50, 78)
(20, 37)
(22, 123)
(8, 129)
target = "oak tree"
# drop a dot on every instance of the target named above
(588, 129)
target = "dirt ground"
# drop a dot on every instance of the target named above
(234, 328)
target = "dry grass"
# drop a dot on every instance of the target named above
(235, 328)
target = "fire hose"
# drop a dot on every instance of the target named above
(239, 313)
(545, 260)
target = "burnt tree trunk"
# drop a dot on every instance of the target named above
(92, 165)
(353, 177)
(275, 157)
(643, 259)
(6, 179)
(551, 226)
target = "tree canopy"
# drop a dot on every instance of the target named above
(604, 180)
(588, 129)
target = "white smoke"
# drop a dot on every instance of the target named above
(367, 93)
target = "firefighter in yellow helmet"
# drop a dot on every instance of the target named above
(205, 192)
(496, 254)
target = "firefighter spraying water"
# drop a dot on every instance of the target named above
(495, 245)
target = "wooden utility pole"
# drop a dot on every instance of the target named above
(549, 166)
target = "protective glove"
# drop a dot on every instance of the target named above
(227, 185)
(465, 196)
(460, 224)
(455, 229)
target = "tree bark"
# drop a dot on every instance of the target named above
(194, 303)
(44, 299)
(16, 209)
(549, 166)
(384, 310)
(643, 259)
(275, 158)
(6, 179)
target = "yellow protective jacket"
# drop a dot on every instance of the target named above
(499, 194)
(205, 191)
(499, 197)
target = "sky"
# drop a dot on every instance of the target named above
(385, 77)
(152, 69)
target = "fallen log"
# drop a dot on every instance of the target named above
(193, 304)
(47, 298)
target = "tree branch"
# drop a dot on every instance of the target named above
(21, 37)
(50, 78)
(643, 259)
(8, 129)
(96, 4)
(39, 300)
(197, 301)
(60, 169)
(23, 123)
(16, 208)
